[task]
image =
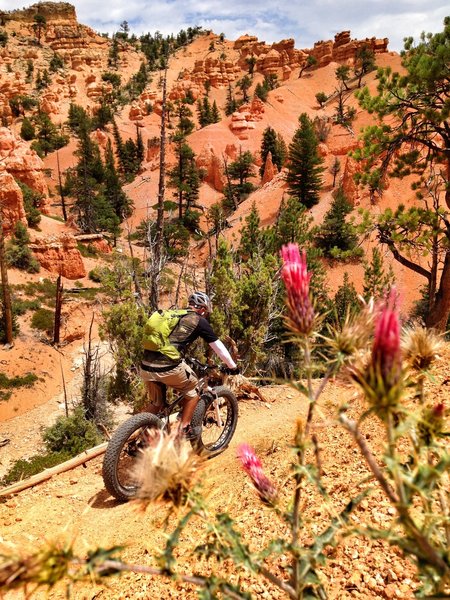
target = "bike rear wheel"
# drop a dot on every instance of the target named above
(124, 447)
(218, 417)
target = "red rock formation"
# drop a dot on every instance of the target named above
(100, 137)
(220, 73)
(59, 255)
(344, 49)
(349, 186)
(181, 88)
(245, 118)
(270, 170)
(212, 164)
(152, 150)
(11, 201)
(23, 164)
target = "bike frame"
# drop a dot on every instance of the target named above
(203, 386)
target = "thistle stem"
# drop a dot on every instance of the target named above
(427, 551)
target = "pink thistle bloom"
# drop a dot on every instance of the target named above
(253, 467)
(386, 352)
(294, 273)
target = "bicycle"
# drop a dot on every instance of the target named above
(216, 413)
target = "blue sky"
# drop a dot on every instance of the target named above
(307, 22)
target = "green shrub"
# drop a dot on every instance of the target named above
(28, 102)
(27, 131)
(7, 383)
(17, 252)
(32, 200)
(3, 38)
(87, 250)
(56, 62)
(44, 290)
(20, 307)
(43, 319)
(22, 469)
(95, 275)
(72, 434)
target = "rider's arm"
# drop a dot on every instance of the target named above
(205, 331)
(219, 349)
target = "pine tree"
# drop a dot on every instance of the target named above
(121, 204)
(27, 131)
(336, 237)
(40, 24)
(261, 92)
(78, 119)
(305, 168)
(335, 168)
(251, 235)
(245, 84)
(271, 142)
(204, 112)
(232, 104)
(223, 282)
(48, 137)
(140, 149)
(346, 302)
(241, 169)
(215, 114)
(377, 282)
(184, 176)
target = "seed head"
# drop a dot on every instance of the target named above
(421, 347)
(167, 470)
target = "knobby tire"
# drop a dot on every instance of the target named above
(120, 455)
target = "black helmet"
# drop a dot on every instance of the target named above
(200, 300)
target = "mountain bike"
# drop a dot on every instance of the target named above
(215, 416)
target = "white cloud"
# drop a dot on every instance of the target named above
(306, 22)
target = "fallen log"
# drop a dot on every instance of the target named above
(48, 473)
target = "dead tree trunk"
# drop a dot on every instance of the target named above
(58, 306)
(159, 237)
(61, 193)
(6, 296)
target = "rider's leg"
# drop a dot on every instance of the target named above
(189, 403)
(155, 397)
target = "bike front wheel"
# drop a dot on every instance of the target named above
(218, 417)
(126, 444)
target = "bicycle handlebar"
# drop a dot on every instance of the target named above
(197, 365)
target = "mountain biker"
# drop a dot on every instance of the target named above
(177, 374)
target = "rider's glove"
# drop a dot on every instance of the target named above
(230, 371)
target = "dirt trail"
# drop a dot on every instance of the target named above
(74, 505)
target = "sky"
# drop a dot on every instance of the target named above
(271, 21)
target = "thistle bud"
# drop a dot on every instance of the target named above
(296, 280)
(382, 378)
(253, 467)
(386, 353)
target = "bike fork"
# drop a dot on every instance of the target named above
(216, 408)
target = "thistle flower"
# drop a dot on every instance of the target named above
(166, 470)
(253, 467)
(386, 353)
(382, 379)
(296, 278)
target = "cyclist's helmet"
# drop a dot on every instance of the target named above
(200, 300)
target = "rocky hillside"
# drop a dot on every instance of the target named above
(49, 61)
